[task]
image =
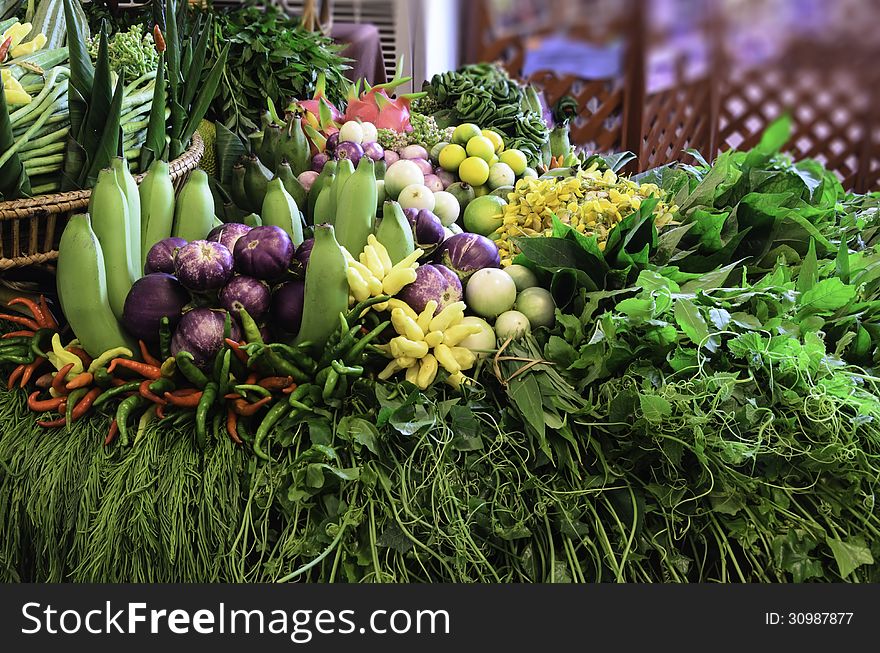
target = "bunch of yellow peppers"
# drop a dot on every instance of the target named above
(12, 46)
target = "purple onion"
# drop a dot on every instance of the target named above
(200, 332)
(287, 306)
(433, 183)
(424, 165)
(391, 157)
(348, 150)
(246, 293)
(446, 177)
(160, 258)
(319, 161)
(306, 179)
(203, 265)
(263, 252)
(466, 253)
(428, 230)
(227, 234)
(150, 299)
(414, 152)
(373, 150)
(301, 257)
(332, 142)
(432, 282)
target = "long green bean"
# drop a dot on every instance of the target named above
(52, 85)
(43, 149)
(146, 77)
(42, 161)
(55, 122)
(42, 189)
(61, 88)
(44, 170)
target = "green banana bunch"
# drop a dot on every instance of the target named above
(157, 206)
(328, 174)
(280, 210)
(356, 208)
(395, 233)
(133, 199)
(291, 184)
(326, 289)
(256, 179)
(83, 291)
(325, 211)
(268, 149)
(294, 146)
(194, 209)
(109, 212)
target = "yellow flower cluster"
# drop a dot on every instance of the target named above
(591, 201)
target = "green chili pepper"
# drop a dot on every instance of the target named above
(354, 314)
(356, 370)
(242, 388)
(107, 395)
(275, 413)
(340, 347)
(188, 368)
(208, 396)
(125, 409)
(36, 342)
(160, 386)
(285, 367)
(244, 430)
(102, 378)
(165, 337)
(250, 328)
(169, 367)
(294, 354)
(227, 326)
(330, 384)
(294, 400)
(223, 381)
(341, 389)
(72, 400)
(353, 355)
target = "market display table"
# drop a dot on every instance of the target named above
(364, 48)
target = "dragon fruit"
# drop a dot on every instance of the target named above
(319, 113)
(375, 105)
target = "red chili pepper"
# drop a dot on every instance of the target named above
(81, 380)
(4, 48)
(149, 359)
(17, 334)
(43, 405)
(85, 403)
(189, 401)
(112, 433)
(289, 389)
(16, 374)
(20, 319)
(146, 393)
(185, 392)
(83, 356)
(51, 322)
(158, 39)
(160, 411)
(32, 307)
(45, 381)
(58, 382)
(30, 369)
(275, 383)
(232, 425)
(245, 409)
(55, 423)
(147, 371)
(236, 350)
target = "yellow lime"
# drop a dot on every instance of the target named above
(451, 157)
(479, 191)
(482, 147)
(516, 160)
(465, 132)
(474, 171)
(496, 139)
(484, 215)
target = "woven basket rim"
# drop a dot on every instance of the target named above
(71, 200)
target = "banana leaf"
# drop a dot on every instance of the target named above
(110, 137)
(99, 103)
(154, 144)
(172, 50)
(14, 182)
(194, 69)
(79, 92)
(197, 111)
(229, 149)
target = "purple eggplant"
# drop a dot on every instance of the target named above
(373, 150)
(432, 282)
(319, 161)
(428, 230)
(391, 157)
(200, 332)
(246, 293)
(301, 257)
(160, 258)
(287, 307)
(264, 253)
(332, 142)
(227, 234)
(466, 253)
(151, 298)
(202, 265)
(348, 150)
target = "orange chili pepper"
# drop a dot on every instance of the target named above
(83, 356)
(32, 307)
(15, 375)
(275, 383)
(81, 380)
(58, 382)
(30, 369)
(111, 434)
(189, 401)
(236, 350)
(51, 322)
(16, 334)
(55, 423)
(85, 403)
(4, 48)
(245, 409)
(232, 425)
(160, 411)
(43, 405)
(149, 359)
(20, 319)
(146, 393)
(146, 371)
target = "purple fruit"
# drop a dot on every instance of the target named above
(428, 231)
(246, 293)
(391, 157)
(414, 152)
(433, 183)
(306, 179)
(160, 258)
(203, 265)
(446, 177)
(411, 215)
(332, 142)
(374, 151)
(301, 257)
(287, 306)
(227, 234)
(466, 253)
(264, 253)
(432, 282)
(319, 161)
(348, 150)
(200, 332)
(424, 166)
(150, 299)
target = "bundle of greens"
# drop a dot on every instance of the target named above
(485, 94)
(271, 57)
(132, 53)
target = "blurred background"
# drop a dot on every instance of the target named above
(655, 77)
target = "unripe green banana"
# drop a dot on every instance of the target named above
(252, 220)
(157, 206)
(326, 289)
(356, 208)
(395, 232)
(295, 147)
(292, 185)
(109, 212)
(269, 149)
(239, 195)
(280, 210)
(256, 177)
(194, 209)
(324, 212)
(344, 170)
(132, 197)
(82, 289)
(328, 173)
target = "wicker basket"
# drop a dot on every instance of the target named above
(30, 229)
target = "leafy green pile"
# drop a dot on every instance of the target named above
(271, 57)
(485, 94)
